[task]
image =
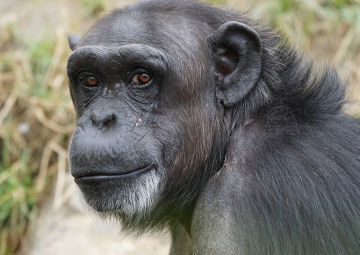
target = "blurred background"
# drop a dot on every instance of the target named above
(40, 212)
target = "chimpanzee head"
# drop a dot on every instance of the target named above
(154, 88)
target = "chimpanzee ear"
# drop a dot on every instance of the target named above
(237, 63)
(73, 39)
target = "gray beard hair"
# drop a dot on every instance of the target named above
(132, 203)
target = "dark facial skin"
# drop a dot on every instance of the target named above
(115, 71)
(196, 119)
(115, 120)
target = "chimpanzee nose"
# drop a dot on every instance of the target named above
(104, 121)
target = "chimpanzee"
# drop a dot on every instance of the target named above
(199, 120)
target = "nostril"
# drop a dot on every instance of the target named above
(103, 123)
(109, 121)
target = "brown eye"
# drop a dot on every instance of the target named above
(89, 81)
(140, 79)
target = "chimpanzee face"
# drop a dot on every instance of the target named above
(146, 106)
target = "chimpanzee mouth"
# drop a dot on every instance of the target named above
(104, 177)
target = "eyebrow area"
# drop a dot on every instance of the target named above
(101, 57)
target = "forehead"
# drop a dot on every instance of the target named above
(165, 30)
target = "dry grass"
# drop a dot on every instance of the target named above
(36, 121)
(36, 113)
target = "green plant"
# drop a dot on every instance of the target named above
(218, 2)
(93, 7)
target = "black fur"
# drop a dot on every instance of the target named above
(249, 148)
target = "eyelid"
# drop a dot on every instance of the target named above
(137, 70)
(81, 75)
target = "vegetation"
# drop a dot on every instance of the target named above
(36, 113)
(36, 120)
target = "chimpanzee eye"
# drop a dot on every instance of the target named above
(89, 81)
(140, 79)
